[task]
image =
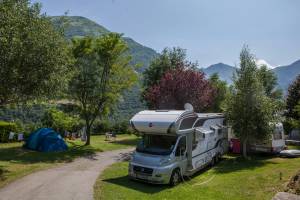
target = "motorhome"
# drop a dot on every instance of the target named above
(176, 143)
(274, 144)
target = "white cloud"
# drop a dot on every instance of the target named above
(260, 62)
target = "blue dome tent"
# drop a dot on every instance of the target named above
(45, 140)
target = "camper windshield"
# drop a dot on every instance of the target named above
(157, 144)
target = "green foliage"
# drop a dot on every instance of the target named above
(102, 73)
(269, 81)
(34, 57)
(78, 27)
(5, 129)
(221, 92)
(169, 59)
(295, 122)
(60, 121)
(248, 109)
(292, 104)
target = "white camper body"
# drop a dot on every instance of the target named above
(176, 143)
(274, 144)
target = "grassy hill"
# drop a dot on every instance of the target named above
(76, 26)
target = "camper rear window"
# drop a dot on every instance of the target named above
(157, 144)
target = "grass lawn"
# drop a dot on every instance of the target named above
(16, 162)
(233, 178)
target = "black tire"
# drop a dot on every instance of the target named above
(175, 177)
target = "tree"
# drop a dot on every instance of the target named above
(60, 121)
(169, 59)
(221, 91)
(180, 86)
(102, 74)
(248, 109)
(34, 57)
(295, 122)
(292, 100)
(269, 81)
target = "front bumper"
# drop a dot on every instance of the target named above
(159, 175)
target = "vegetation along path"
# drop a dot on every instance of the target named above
(74, 180)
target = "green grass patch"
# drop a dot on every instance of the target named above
(16, 162)
(233, 179)
(293, 147)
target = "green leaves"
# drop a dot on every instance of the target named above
(249, 109)
(32, 54)
(102, 74)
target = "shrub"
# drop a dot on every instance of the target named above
(5, 129)
(122, 128)
(60, 121)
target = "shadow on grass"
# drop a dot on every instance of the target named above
(235, 163)
(125, 181)
(127, 142)
(21, 155)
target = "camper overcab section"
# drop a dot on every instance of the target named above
(175, 144)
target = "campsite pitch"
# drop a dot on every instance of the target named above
(233, 178)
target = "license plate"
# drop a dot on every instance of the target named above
(141, 176)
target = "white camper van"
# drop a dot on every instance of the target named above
(176, 143)
(274, 144)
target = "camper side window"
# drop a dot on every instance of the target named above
(181, 148)
(187, 123)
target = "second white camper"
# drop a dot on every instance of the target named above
(176, 143)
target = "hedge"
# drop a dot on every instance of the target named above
(5, 129)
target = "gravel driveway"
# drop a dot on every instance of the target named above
(73, 180)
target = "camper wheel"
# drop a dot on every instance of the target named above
(175, 177)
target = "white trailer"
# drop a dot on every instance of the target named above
(274, 144)
(176, 143)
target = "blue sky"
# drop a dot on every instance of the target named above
(211, 31)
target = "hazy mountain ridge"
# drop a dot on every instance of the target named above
(285, 74)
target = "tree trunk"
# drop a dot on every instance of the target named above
(244, 144)
(88, 135)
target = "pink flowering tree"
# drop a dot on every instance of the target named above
(180, 86)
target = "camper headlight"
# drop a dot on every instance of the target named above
(165, 161)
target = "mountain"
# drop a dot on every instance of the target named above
(225, 71)
(287, 74)
(77, 26)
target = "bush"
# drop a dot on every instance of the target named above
(5, 129)
(60, 121)
(104, 126)
(101, 127)
(122, 128)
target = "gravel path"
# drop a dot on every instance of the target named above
(73, 180)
